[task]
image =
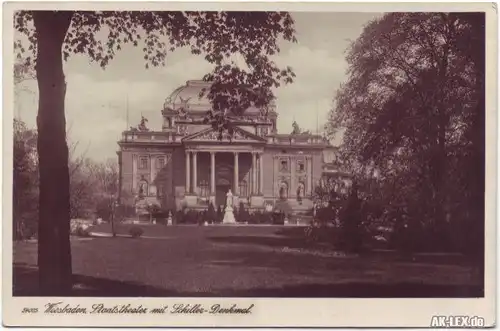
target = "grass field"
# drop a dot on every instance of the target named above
(243, 261)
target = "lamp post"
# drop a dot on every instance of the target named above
(150, 205)
(114, 205)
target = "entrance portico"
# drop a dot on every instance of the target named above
(219, 173)
(227, 163)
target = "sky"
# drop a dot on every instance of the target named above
(96, 99)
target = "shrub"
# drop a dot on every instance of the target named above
(242, 213)
(253, 218)
(220, 215)
(136, 232)
(258, 217)
(351, 226)
(192, 217)
(278, 217)
(179, 217)
(82, 231)
(161, 216)
(211, 215)
(200, 217)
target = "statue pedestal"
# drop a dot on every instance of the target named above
(229, 216)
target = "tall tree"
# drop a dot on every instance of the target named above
(58, 34)
(25, 180)
(413, 111)
(25, 172)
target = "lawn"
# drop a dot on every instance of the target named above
(243, 261)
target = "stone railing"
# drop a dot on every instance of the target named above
(150, 136)
(300, 139)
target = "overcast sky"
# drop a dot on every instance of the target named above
(96, 99)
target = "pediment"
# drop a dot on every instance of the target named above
(210, 135)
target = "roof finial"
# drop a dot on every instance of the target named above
(317, 119)
(127, 111)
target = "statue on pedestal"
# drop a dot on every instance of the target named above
(228, 214)
(229, 199)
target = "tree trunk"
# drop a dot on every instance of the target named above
(54, 251)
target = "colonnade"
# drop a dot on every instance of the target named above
(257, 170)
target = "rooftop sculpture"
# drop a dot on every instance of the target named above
(142, 125)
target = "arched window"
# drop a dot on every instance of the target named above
(283, 190)
(243, 188)
(204, 189)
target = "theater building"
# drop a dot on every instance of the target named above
(186, 165)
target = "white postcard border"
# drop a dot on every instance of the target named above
(267, 312)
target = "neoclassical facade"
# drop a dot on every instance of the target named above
(187, 165)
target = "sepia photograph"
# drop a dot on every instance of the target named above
(245, 155)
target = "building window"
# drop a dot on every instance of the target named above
(160, 163)
(143, 162)
(204, 189)
(243, 188)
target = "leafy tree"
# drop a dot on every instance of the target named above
(331, 189)
(412, 112)
(25, 172)
(59, 34)
(25, 179)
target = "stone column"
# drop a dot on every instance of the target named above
(195, 173)
(152, 172)
(309, 175)
(188, 173)
(261, 173)
(212, 173)
(254, 173)
(134, 173)
(236, 174)
(293, 185)
(275, 176)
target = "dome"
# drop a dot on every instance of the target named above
(188, 96)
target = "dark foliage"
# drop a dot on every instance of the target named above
(413, 113)
(211, 215)
(136, 232)
(220, 214)
(351, 223)
(25, 180)
(243, 215)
